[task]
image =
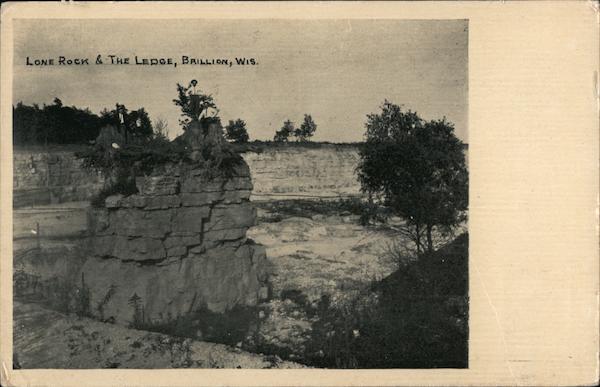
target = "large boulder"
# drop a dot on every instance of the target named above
(175, 247)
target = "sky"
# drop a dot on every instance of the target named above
(338, 71)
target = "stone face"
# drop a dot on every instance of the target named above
(238, 183)
(218, 279)
(134, 201)
(190, 219)
(259, 258)
(179, 250)
(201, 184)
(206, 198)
(242, 170)
(157, 185)
(97, 220)
(133, 222)
(129, 249)
(113, 201)
(214, 238)
(139, 249)
(174, 241)
(200, 198)
(104, 245)
(236, 196)
(231, 216)
(162, 202)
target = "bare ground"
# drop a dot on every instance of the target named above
(47, 339)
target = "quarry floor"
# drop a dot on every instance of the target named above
(308, 256)
(47, 339)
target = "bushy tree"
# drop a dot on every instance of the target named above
(135, 124)
(27, 124)
(161, 128)
(306, 130)
(236, 131)
(286, 131)
(188, 111)
(139, 123)
(418, 167)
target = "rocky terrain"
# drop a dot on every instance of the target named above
(330, 256)
(308, 257)
(323, 255)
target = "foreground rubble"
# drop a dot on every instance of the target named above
(47, 339)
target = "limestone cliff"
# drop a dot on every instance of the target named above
(282, 172)
(54, 176)
(278, 172)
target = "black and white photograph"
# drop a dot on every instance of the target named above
(299, 193)
(203, 193)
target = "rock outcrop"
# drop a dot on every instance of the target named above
(175, 247)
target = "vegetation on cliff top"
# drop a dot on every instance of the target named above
(121, 158)
(59, 124)
(302, 134)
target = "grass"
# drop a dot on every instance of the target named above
(55, 292)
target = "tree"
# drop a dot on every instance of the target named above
(418, 168)
(136, 124)
(283, 134)
(139, 124)
(307, 129)
(161, 128)
(54, 124)
(27, 124)
(236, 131)
(188, 110)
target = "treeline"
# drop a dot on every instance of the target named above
(59, 124)
(236, 131)
(302, 134)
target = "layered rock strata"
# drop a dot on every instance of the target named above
(177, 246)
